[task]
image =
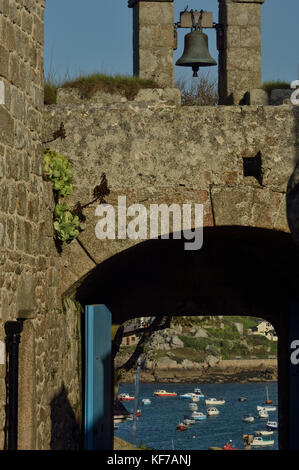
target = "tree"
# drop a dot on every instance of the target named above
(158, 323)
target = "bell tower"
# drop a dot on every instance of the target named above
(153, 40)
(239, 45)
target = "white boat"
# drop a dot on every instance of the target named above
(263, 413)
(263, 433)
(195, 398)
(190, 396)
(146, 401)
(187, 420)
(214, 401)
(212, 411)
(197, 415)
(248, 419)
(187, 395)
(267, 407)
(198, 392)
(259, 441)
(272, 424)
(193, 406)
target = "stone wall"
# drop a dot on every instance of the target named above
(29, 263)
(156, 152)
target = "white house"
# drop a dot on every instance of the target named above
(264, 328)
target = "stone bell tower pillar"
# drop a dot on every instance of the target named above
(239, 45)
(153, 40)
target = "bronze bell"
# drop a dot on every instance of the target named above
(196, 52)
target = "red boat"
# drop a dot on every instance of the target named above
(125, 397)
(228, 446)
(181, 427)
(138, 413)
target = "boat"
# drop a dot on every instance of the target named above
(193, 406)
(181, 427)
(198, 392)
(267, 408)
(187, 395)
(259, 441)
(195, 398)
(214, 401)
(125, 397)
(163, 393)
(248, 419)
(188, 421)
(263, 413)
(198, 415)
(242, 399)
(212, 411)
(138, 413)
(268, 401)
(146, 401)
(272, 425)
(263, 433)
(228, 446)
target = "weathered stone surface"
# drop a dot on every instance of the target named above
(278, 96)
(259, 97)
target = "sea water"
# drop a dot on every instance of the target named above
(156, 428)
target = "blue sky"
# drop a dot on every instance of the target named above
(87, 36)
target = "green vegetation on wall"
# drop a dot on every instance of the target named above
(58, 170)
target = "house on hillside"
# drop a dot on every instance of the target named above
(264, 328)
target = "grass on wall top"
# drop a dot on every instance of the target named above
(275, 85)
(88, 85)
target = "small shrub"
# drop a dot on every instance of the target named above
(202, 92)
(50, 93)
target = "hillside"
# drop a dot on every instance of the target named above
(207, 346)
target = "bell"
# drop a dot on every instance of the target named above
(196, 52)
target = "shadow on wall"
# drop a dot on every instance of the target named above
(293, 186)
(65, 431)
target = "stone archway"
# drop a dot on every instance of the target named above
(239, 270)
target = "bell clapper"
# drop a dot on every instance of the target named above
(195, 69)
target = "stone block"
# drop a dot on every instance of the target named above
(259, 96)
(26, 303)
(278, 96)
(6, 126)
(156, 13)
(4, 60)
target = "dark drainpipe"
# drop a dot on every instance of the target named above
(13, 335)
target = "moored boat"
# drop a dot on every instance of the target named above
(263, 413)
(263, 433)
(248, 419)
(198, 392)
(138, 413)
(181, 427)
(198, 415)
(193, 406)
(272, 425)
(125, 397)
(164, 393)
(229, 446)
(260, 441)
(188, 421)
(242, 399)
(146, 401)
(214, 401)
(212, 411)
(267, 408)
